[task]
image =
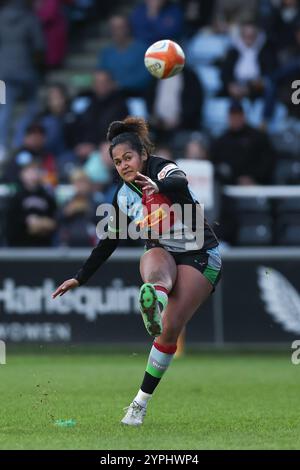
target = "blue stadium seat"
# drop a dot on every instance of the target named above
(206, 48)
(254, 230)
(286, 139)
(137, 107)
(215, 115)
(288, 205)
(210, 77)
(253, 205)
(287, 172)
(288, 229)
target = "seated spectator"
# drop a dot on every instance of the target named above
(164, 151)
(248, 63)
(242, 155)
(205, 52)
(31, 211)
(283, 21)
(102, 172)
(78, 216)
(92, 112)
(175, 104)
(33, 149)
(196, 147)
(54, 119)
(21, 47)
(51, 15)
(123, 58)
(153, 20)
(265, 9)
(232, 12)
(81, 13)
(278, 86)
(197, 14)
(208, 47)
(99, 166)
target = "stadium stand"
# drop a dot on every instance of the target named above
(214, 39)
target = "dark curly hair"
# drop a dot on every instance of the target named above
(132, 130)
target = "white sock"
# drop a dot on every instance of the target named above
(142, 398)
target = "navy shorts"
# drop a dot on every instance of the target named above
(208, 262)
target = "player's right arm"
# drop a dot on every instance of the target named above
(106, 246)
(65, 286)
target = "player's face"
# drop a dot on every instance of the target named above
(128, 161)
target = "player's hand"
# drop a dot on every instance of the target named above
(146, 184)
(64, 287)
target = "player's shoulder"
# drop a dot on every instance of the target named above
(121, 187)
(159, 167)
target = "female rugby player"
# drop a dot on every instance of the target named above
(178, 275)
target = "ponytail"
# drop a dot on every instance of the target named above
(133, 130)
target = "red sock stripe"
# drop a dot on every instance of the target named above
(161, 288)
(170, 349)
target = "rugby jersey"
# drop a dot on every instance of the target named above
(127, 213)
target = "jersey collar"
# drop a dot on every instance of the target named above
(134, 187)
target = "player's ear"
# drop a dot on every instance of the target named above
(144, 155)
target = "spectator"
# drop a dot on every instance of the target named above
(242, 155)
(51, 15)
(123, 58)
(31, 212)
(78, 216)
(102, 172)
(153, 20)
(175, 104)
(196, 147)
(54, 119)
(197, 14)
(208, 47)
(279, 83)
(283, 22)
(164, 151)
(21, 46)
(232, 12)
(99, 166)
(205, 52)
(248, 63)
(33, 149)
(80, 12)
(91, 113)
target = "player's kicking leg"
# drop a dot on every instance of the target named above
(183, 302)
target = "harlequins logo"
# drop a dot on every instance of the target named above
(153, 218)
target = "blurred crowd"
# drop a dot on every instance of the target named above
(231, 105)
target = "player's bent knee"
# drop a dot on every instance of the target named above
(156, 277)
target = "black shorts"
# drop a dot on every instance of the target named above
(208, 262)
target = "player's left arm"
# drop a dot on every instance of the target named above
(169, 179)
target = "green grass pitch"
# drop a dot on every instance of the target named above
(205, 401)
